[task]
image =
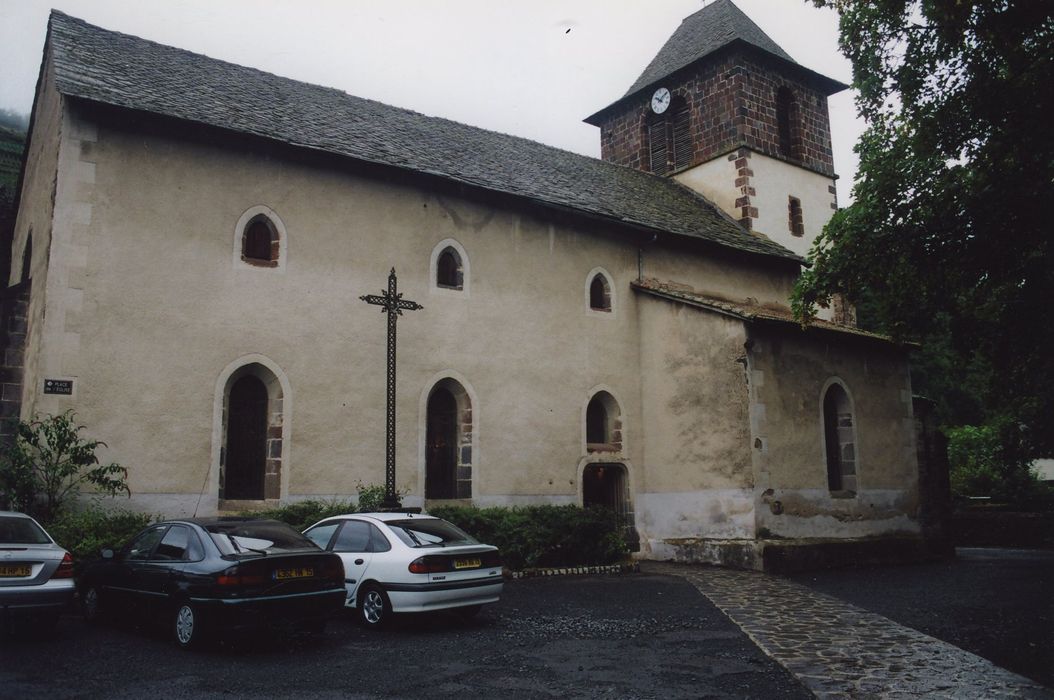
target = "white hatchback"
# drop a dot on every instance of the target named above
(407, 562)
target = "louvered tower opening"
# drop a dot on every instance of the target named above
(669, 138)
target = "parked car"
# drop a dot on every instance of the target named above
(216, 575)
(405, 562)
(36, 575)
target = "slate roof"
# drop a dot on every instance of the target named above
(746, 310)
(117, 69)
(705, 32)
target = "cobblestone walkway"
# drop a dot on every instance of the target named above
(837, 650)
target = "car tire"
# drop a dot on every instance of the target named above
(469, 611)
(374, 609)
(92, 607)
(187, 626)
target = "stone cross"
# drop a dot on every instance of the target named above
(391, 303)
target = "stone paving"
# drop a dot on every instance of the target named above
(837, 650)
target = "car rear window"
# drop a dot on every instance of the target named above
(260, 536)
(428, 532)
(15, 530)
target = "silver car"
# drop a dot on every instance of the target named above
(36, 575)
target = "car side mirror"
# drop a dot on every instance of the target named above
(106, 554)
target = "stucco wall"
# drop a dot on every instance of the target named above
(788, 375)
(166, 309)
(775, 181)
(696, 426)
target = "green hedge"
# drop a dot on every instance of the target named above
(85, 532)
(543, 536)
(303, 514)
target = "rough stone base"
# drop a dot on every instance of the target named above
(779, 556)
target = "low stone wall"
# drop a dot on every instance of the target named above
(983, 528)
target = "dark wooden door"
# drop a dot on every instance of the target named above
(246, 440)
(441, 454)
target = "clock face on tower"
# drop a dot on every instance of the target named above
(660, 100)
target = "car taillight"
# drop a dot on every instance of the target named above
(65, 569)
(234, 577)
(429, 565)
(333, 569)
(490, 559)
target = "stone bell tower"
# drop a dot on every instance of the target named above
(724, 110)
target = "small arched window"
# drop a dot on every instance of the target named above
(669, 138)
(260, 244)
(788, 123)
(603, 424)
(840, 439)
(599, 293)
(448, 270)
(27, 259)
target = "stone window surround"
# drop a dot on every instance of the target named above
(433, 267)
(244, 220)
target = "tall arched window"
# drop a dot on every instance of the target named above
(27, 259)
(253, 431)
(839, 439)
(260, 245)
(788, 123)
(669, 138)
(603, 424)
(448, 442)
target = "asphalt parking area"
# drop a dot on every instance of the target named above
(638, 635)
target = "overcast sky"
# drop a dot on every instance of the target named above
(534, 68)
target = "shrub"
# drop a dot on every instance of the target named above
(303, 514)
(978, 466)
(543, 536)
(85, 532)
(49, 462)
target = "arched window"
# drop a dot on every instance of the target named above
(669, 138)
(260, 244)
(448, 270)
(599, 293)
(603, 424)
(788, 123)
(839, 439)
(448, 442)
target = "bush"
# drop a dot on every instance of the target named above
(49, 462)
(978, 466)
(302, 514)
(85, 532)
(543, 536)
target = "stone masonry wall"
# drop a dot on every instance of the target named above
(732, 99)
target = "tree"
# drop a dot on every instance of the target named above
(949, 239)
(49, 461)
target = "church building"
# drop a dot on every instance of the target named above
(193, 239)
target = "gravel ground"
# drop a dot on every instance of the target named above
(996, 603)
(632, 636)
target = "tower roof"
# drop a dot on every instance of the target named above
(716, 26)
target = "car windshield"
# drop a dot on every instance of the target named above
(15, 530)
(429, 532)
(258, 536)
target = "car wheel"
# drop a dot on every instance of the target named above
(374, 608)
(187, 626)
(91, 605)
(469, 611)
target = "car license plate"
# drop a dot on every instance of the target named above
(466, 563)
(16, 570)
(298, 572)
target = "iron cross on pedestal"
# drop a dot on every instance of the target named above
(391, 303)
